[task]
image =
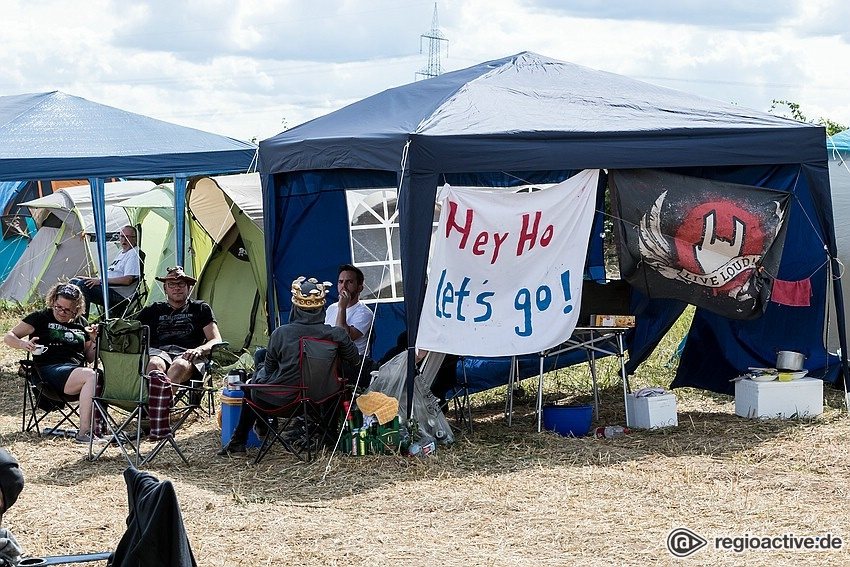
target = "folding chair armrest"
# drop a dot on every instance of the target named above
(218, 346)
(272, 389)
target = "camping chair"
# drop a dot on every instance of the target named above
(155, 534)
(132, 304)
(41, 400)
(200, 396)
(460, 400)
(122, 356)
(314, 402)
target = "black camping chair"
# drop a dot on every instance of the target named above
(42, 401)
(155, 533)
(200, 396)
(67, 559)
(309, 411)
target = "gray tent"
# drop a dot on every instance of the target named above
(64, 245)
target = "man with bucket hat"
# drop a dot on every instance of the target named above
(182, 330)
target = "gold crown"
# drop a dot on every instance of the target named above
(314, 297)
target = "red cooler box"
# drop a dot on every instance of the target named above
(231, 407)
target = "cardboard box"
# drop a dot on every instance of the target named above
(652, 412)
(798, 398)
(612, 320)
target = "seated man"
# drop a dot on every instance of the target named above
(123, 274)
(182, 331)
(355, 318)
(281, 364)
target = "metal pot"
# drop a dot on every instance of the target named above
(789, 360)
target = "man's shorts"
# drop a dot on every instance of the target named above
(169, 352)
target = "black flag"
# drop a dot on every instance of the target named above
(713, 244)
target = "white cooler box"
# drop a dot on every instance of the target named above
(652, 412)
(800, 398)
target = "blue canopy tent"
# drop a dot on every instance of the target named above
(54, 135)
(530, 118)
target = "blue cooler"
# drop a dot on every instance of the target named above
(231, 407)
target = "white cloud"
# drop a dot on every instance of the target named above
(250, 69)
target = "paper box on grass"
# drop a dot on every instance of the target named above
(798, 398)
(652, 412)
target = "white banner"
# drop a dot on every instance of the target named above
(506, 272)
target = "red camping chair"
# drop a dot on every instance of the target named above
(309, 410)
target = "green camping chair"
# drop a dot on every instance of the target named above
(123, 400)
(199, 395)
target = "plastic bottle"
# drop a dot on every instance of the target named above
(423, 447)
(403, 438)
(346, 429)
(612, 431)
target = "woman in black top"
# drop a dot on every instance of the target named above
(70, 344)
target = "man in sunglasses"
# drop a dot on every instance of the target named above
(122, 274)
(182, 330)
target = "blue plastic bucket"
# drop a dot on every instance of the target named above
(569, 421)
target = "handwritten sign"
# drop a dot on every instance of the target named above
(506, 272)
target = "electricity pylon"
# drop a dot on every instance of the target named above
(434, 37)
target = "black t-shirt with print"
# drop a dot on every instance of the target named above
(183, 327)
(65, 341)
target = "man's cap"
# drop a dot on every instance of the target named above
(176, 273)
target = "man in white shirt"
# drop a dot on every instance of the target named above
(123, 274)
(348, 313)
(353, 316)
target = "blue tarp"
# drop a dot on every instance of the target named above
(54, 135)
(507, 119)
(839, 142)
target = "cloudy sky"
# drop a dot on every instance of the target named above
(250, 69)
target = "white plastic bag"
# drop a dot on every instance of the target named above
(426, 407)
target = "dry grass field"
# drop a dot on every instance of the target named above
(499, 496)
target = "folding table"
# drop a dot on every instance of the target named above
(606, 341)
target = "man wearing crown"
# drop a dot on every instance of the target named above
(281, 364)
(182, 330)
